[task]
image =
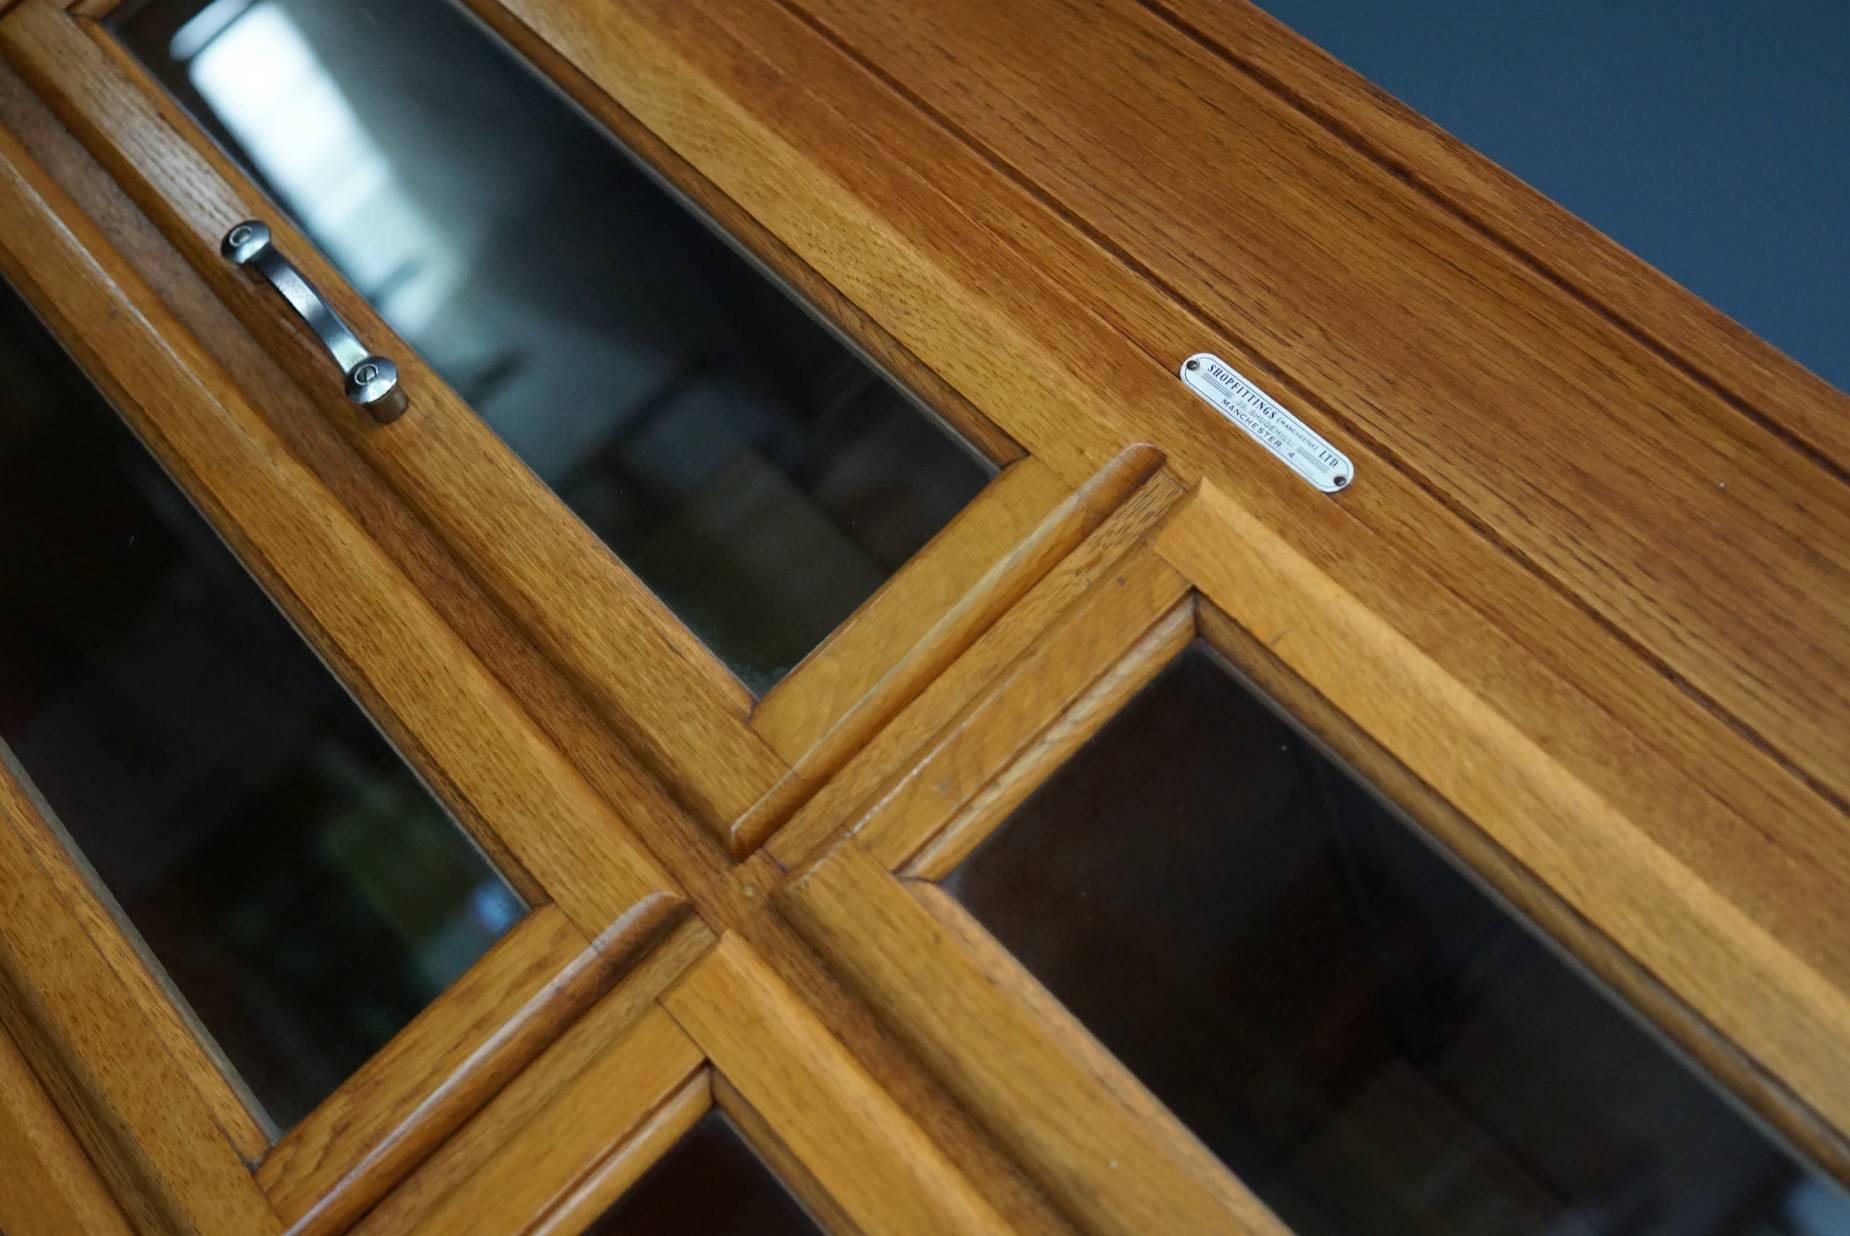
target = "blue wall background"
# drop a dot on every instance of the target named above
(1710, 137)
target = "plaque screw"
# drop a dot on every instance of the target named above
(1194, 364)
(1339, 481)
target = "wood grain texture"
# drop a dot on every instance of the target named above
(643, 1069)
(1252, 662)
(783, 1162)
(797, 713)
(1607, 469)
(1024, 1206)
(445, 1064)
(454, 722)
(1764, 382)
(1030, 313)
(743, 230)
(945, 598)
(1039, 754)
(808, 152)
(627, 1164)
(570, 594)
(853, 1141)
(47, 1187)
(1724, 918)
(525, 1110)
(137, 976)
(1021, 712)
(1097, 1141)
(98, 1045)
(880, 759)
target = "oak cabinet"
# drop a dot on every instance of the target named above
(686, 616)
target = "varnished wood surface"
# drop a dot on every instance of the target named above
(1752, 966)
(95, 1040)
(1102, 1146)
(1029, 622)
(645, 1068)
(575, 1069)
(1591, 568)
(1612, 474)
(795, 715)
(1764, 383)
(1629, 593)
(1028, 710)
(434, 1072)
(927, 615)
(47, 1186)
(852, 1140)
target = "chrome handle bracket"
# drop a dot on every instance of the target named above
(371, 380)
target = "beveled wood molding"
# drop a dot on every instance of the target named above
(146, 1116)
(1000, 547)
(841, 802)
(1696, 895)
(634, 660)
(51, 1188)
(1088, 1132)
(1759, 380)
(598, 899)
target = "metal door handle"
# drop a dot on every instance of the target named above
(372, 381)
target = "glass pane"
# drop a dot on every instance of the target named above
(711, 1183)
(1712, 140)
(754, 472)
(1365, 1038)
(296, 881)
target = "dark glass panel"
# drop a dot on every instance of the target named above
(1371, 1043)
(755, 473)
(295, 880)
(711, 1183)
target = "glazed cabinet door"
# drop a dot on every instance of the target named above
(290, 881)
(746, 535)
(825, 616)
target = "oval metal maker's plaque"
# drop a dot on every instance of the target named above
(1302, 449)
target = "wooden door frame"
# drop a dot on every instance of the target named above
(597, 898)
(1559, 754)
(742, 765)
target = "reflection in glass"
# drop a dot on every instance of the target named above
(1367, 1040)
(297, 883)
(757, 475)
(711, 1183)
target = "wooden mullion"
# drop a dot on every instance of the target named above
(926, 615)
(878, 1170)
(841, 801)
(1017, 721)
(566, 1110)
(1081, 1125)
(441, 1067)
